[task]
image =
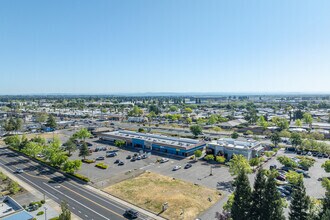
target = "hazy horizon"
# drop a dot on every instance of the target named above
(134, 47)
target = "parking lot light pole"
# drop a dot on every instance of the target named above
(45, 212)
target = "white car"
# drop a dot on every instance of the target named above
(19, 170)
(164, 160)
(177, 167)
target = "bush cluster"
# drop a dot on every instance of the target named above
(82, 177)
(101, 165)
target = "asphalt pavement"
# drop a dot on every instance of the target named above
(83, 202)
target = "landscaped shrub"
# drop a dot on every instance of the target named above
(55, 218)
(82, 177)
(40, 213)
(87, 161)
(101, 165)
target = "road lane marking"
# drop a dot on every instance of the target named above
(77, 202)
(20, 176)
(93, 201)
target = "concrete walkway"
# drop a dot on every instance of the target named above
(52, 205)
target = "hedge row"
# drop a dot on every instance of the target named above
(101, 166)
(82, 177)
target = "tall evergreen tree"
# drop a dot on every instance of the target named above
(300, 202)
(242, 197)
(257, 199)
(273, 207)
(326, 206)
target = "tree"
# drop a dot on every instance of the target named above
(41, 117)
(136, 111)
(155, 109)
(84, 152)
(196, 130)
(198, 153)
(258, 200)
(51, 122)
(254, 161)
(188, 120)
(234, 135)
(82, 134)
(308, 119)
(71, 166)
(275, 138)
(188, 110)
(239, 164)
(326, 206)
(286, 161)
(70, 146)
(326, 166)
(66, 213)
(296, 139)
(273, 208)
(281, 123)
(13, 141)
(173, 108)
(212, 119)
(262, 122)
(300, 202)
(120, 143)
(298, 123)
(293, 177)
(242, 197)
(32, 149)
(306, 162)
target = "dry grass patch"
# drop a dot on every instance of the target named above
(151, 190)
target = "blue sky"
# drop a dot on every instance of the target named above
(104, 46)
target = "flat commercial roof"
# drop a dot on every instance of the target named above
(238, 144)
(155, 138)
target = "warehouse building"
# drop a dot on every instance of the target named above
(158, 143)
(227, 147)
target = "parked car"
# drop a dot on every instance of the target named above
(309, 153)
(283, 190)
(188, 165)
(144, 156)
(273, 166)
(177, 167)
(131, 213)
(133, 159)
(100, 158)
(281, 177)
(303, 173)
(128, 157)
(113, 154)
(121, 163)
(164, 160)
(117, 161)
(138, 158)
(286, 168)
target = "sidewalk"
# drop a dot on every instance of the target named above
(54, 209)
(120, 201)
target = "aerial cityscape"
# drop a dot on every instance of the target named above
(155, 110)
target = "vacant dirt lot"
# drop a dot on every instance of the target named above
(150, 190)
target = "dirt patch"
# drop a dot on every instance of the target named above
(150, 191)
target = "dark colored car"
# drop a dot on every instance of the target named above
(128, 157)
(187, 166)
(131, 213)
(281, 177)
(133, 159)
(286, 168)
(272, 167)
(117, 161)
(121, 163)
